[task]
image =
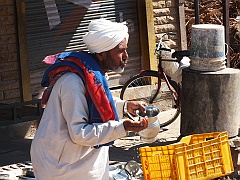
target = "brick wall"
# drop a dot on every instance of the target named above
(9, 67)
(165, 14)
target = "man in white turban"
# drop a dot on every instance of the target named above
(104, 35)
(81, 119)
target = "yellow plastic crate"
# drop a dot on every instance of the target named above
(158, 163)
(196, 157)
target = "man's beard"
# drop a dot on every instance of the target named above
(120, 69)
(107, 64)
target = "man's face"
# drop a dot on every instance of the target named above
(116, 58)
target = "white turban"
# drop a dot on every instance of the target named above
(104, 35)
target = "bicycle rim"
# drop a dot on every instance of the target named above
(142, 87)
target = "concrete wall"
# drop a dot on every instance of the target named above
(9, 68)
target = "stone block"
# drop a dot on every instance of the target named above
(164, 11)
(165, 28)
(161, 4)
(8, 48)
(8, 57)
(8, 85)
(7, 39)
(10, 75)
(210, 101)
(7, 29)
(7, 10)
(11, 94)
(11, 66)
(164, 20)
(6, 2)
(6, 20)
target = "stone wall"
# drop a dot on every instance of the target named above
(165, 19)
(9, 67)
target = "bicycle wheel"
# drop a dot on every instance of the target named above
(143, 86)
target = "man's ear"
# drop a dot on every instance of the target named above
(101, 56)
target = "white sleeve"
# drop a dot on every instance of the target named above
(75, 112)
(119, 106)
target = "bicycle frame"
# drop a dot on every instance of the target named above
(158, 51)
(161, 72)
(169, 95)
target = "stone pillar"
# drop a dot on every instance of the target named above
(210, 101)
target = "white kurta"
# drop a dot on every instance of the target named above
(62, 148)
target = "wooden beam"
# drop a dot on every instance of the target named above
(23, 55)
(151, 34)
(143, 35)
(182, 35)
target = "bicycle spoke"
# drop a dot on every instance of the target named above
(140, 88)
(144, 86)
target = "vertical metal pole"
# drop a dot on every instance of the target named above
(196, 7)
(225, 4)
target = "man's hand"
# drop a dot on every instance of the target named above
(132, 106)
(135, 126)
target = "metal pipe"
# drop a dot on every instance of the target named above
(196, 7)
(225, 4)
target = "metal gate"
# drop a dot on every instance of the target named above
(55, 26)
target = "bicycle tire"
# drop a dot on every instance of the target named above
(138, 88)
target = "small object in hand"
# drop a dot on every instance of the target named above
(151, 111)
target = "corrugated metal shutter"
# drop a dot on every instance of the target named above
(67, 36)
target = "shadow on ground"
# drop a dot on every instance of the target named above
(15, 151)
(127, 148)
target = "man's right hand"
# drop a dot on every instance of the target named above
(135, 126)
